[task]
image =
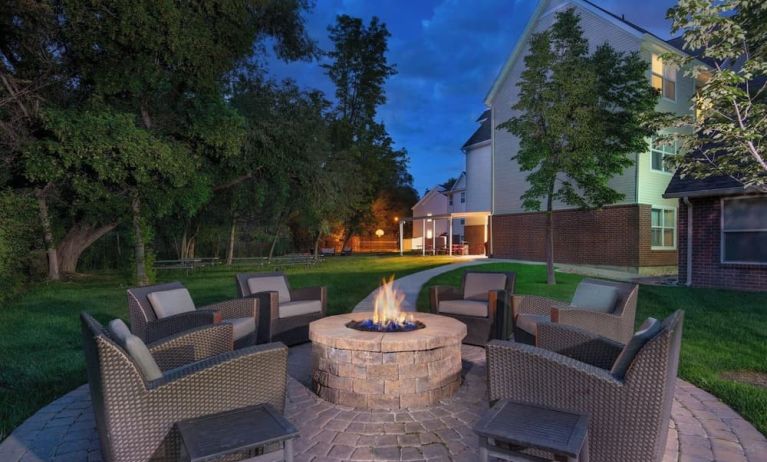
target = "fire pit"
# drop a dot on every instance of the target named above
(386, 359)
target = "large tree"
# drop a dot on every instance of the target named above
(578, 117)
(730, 132)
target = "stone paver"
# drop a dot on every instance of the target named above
(702, 427)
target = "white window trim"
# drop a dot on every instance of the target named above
(676, 227)
(663, 80)
(663, 160)
(722, 233)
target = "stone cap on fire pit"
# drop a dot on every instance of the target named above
(440, 331)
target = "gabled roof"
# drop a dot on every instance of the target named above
(619, 21)
(715, 185)
(437, 189)
(455, 187)
(483, 133)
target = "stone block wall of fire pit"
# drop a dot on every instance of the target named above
(386, 370)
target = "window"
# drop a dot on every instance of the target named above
(659, 154)
(450, 199)
(663, 228)
(664, 78)
(463, 221)
(463, 197)
(744, 230)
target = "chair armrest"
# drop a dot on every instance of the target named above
(499, 309)
(439, 293)
(268, 312)
(236, 308)
(527, 373)
(192, 345)
(578, 344)
(165, 327)
(605, 324)
(533, 304)
(252, 375)
(311, 293)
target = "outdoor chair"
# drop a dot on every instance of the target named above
(285, 312)
(140, 391)
(606, 308)
(166, 309)
(627, 390)
(481, 303)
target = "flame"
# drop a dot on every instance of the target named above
(388, 304)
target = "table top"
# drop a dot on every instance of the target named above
(250, 427)
(553, 430)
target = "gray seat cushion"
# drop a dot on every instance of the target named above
(242, 327)
(649, 329)
(170, 302)
(528, 322)
(477, 285)
(464, 307)
(270, 284)
(142, 357)
(119, 331)
(299, 308)
(595, 297)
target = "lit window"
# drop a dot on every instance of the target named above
(660, 153)
(744, 230)
(664, 78)
(663, 228)
(429, 235)
(463, 197)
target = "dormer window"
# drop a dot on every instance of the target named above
(664, 78)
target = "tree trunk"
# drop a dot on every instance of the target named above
(138, 243)
(550, 277)
(182, 248)
(230, 247)
(274, 244)
(79, 237)
(50, 245)
(317, 244)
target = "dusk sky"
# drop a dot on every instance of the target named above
(447, 54)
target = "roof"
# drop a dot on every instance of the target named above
(436, 189)
(678, 43)
(483, 133)
(715, 185)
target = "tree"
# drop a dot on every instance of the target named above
(730, 134)
(579, 116)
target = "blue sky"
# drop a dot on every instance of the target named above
(447, 54)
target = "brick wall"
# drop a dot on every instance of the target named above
(707, 269)
(475, 236)
(613, 236)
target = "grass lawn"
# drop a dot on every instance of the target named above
(724, 330)
(40, 349)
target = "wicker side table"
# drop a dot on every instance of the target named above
(245, 432)
(519, 426)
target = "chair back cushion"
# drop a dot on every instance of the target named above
(169, 302)
(299, 308)
(142, 357)
(595, 297)
(270, 284)
(477, 285)
(119, 331)
(648, 330)
(464, 308)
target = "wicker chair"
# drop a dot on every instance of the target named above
(618, 325)
(148, 327)
(135, 418)
(485, 313)
(629, 415)
(277, 299)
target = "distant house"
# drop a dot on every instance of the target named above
(638, 234)
(722, 233)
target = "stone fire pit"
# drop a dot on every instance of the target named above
(389, 370)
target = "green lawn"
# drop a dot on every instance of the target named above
(723, 330)
(40, 352)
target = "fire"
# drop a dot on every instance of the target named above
(388, 305)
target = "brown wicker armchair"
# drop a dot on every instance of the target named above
(135, 418)
(629, 414)
(285, 312)
(146, 325)
(481, 303)
(618, 324)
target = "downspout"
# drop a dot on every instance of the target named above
(687, 203)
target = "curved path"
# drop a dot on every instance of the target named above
(702, 428)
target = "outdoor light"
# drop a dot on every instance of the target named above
(379, 232)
